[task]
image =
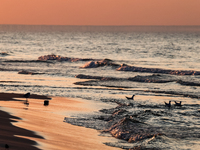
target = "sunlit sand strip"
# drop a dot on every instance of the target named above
(48, 122)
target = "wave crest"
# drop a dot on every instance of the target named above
(156, 70)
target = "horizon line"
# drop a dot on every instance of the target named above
(104, 25)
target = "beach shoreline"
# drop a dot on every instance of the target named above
(36, 126)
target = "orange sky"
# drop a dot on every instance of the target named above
(100, 12)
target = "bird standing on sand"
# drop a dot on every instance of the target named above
(168, 104)
(178, 104)
(129, 98)
(6, 146)
(27, 95)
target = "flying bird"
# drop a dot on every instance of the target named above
(129, 98)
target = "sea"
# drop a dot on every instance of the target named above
(106, 64)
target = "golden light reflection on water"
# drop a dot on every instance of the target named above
(38, 79)
(47, 121)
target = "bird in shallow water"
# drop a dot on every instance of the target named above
(6, 146)
(130, 97)
(168, 104)
(178, 104)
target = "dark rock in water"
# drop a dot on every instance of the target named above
(60, 58)
(28, 73)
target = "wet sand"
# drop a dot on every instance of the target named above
(36, 126)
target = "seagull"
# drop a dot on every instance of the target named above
(6, 146)
(130, 97)
(178, 104)
(27, 95)
(168, 104)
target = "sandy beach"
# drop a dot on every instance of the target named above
(36, 126)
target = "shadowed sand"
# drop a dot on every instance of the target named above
(47, 121)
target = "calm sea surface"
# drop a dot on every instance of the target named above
(165, 48)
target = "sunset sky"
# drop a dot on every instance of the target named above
(100, 12)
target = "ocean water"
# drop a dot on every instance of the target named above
(166, 68)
